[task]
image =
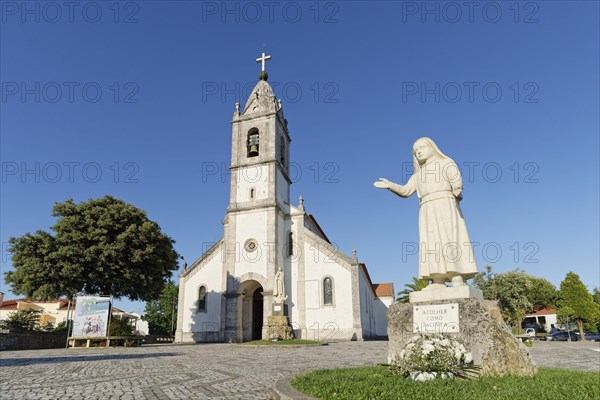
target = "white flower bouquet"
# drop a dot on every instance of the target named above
(427, 356)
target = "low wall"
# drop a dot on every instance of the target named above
(154, 339)
(30, 340)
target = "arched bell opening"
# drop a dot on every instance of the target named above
(253, 142)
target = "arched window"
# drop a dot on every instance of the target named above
(202, 299)
(290, 244)
(328, 291)
(253, 142)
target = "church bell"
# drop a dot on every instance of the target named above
(253, 144)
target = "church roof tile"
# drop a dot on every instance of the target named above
(384, 289)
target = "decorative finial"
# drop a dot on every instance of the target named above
(263, 76)
(301, 203)
(279, 103)
(237, 110)
(354, 255)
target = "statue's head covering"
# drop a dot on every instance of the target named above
(431, 144)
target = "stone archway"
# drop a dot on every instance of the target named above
(250, 311)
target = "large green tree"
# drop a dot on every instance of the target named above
(161, 314)
(510, 289)
(579, 302)
(542, 293)
(596, 295)
(102, 246)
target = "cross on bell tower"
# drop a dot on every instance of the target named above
(263, 76)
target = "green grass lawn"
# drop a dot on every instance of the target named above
(379, 383)
(282, 342)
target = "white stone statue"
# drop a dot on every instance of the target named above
(279, 289)
(445, 251)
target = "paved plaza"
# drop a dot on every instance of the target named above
(216, 371)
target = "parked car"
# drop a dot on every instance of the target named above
(562, 336)
(595, 336)
(536, 327)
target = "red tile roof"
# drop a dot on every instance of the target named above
(544, 311)
(64, 304)
(383, 289)
(387, 289)
(12, 304)
(9, 305)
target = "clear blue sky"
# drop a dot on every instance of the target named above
(503, 88)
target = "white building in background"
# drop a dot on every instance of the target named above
(227, 294)
(55, 311)
(140, 326)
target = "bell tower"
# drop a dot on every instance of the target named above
(260, 150)
(258, 215)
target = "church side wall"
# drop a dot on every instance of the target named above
(367, 299)
(282, 189)
(204, 326)
(327, 322)
(295, 263)
(380, 309)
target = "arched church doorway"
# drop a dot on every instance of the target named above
(251, 311)
(257, 314)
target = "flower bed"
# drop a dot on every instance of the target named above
(429, 356)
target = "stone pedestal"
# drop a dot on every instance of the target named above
(279, 328)
(460, 292)
(279, 309)
(481, 329)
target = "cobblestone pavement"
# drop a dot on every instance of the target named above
(574, 355)
(216, 371)
(230, 371)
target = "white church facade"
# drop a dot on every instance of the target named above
(229, 292)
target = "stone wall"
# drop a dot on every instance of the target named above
(482, 331)
(31, 340)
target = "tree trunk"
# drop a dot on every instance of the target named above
(581, 333)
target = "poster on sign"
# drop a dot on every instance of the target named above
(90, 318)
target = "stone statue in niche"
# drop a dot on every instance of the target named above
(279, 289)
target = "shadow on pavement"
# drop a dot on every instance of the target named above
(12, 362)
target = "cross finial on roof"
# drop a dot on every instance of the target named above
(264, 60)
(263, 76)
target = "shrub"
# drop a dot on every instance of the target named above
(22, 320)
(433, 355)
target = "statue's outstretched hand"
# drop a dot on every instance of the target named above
(382, 183)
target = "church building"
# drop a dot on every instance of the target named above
(274, 258)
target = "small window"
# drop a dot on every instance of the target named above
(328, 291)
(282, 151)
(202, 299)
(252, 193)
